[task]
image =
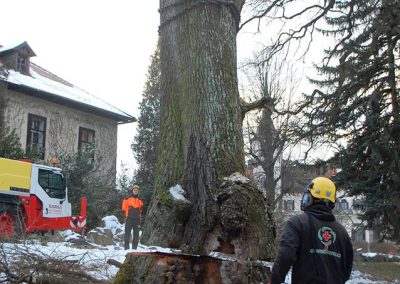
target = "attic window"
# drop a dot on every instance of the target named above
(22, 64)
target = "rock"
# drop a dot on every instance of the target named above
(56, 237)
(101, 236)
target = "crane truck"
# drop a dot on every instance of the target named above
(34, 198)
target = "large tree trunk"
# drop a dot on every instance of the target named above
(201, 139)
(266, 133)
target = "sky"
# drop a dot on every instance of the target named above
(100, 46)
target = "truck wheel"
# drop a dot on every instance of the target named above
(7, 225)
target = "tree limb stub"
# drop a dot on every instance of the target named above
(264, 102)
(114, 262)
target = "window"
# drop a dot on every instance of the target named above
(22, 64)
(343, 204)
(36, 137)
(53, 183)
(358, 235)
(288, 205)
(86, 139)
(86, 143)
(358, 204)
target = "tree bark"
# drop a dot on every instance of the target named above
(201, 139)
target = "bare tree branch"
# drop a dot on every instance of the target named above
(264, 102)
(276, 10)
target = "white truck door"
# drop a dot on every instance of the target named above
(49, 185)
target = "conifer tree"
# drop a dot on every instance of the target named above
(358, 100)
(145, 144)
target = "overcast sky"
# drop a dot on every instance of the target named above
(101, 46)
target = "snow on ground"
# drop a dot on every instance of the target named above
(94, 257)
(358, 278)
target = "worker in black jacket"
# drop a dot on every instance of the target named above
(314, 243)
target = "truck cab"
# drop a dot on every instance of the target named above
(34, 198)
(49, 185)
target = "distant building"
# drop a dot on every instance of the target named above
(346, 210)
(293, 182)
(53, 117)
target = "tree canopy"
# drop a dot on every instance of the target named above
(356, 102)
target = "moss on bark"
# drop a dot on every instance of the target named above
(201, 138)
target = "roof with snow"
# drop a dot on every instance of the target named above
(14, 47)
(43, 84)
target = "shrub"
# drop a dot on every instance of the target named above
(360, 246)
(384, 247)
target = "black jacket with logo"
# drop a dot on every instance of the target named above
(317, 246)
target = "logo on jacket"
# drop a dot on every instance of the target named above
(327, 236)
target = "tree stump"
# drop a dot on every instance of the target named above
(176, 267)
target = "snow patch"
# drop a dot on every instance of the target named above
(112, 223)
(357, 277)
(222, 256)
(237, 178)
(94, 259)
(70, 235)
(10, 47)
(177, 193)
(144, 248)
(369, 254)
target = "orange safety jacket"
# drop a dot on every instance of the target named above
(132, 203)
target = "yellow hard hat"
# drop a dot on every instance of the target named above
(323, 188)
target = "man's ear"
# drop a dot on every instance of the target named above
(306, 200)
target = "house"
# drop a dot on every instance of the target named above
(53, 117)
(347, 208)
(291, 184)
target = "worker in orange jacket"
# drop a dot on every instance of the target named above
(132, 207)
